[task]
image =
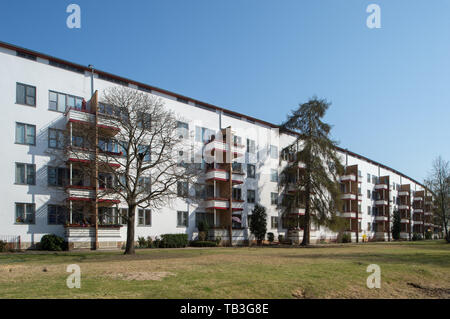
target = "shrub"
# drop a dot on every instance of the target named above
(149, 242)
(344, 238)
(396, 226)
(198, 243)
(174, 240)
(142, 242)
(53, 242)
(258, 223)
(203, 229)
(270, 237)
(156, 243)
(428, 235)
(280, 238)
(3, 246)
(417, 237)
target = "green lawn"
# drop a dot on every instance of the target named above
(408, 270)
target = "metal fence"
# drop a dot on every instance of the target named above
(12, 241)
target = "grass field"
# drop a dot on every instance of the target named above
(408, 270)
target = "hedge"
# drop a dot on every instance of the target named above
(53, 242)
(198, 243)
(174, 241)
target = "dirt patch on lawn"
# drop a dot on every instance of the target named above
(141, 275)
(442, 293)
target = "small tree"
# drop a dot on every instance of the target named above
(396, 225)
(258, 223)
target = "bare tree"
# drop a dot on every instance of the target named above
(137, 147)
(438, 182)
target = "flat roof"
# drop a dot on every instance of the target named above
(176, 95)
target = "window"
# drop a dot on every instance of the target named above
(179, 99)
(368, 178)
(182, 189)
(374, 179)
(56, 215)
(368, 194)
(123, 216)
(368, 210)
(203, 134)
(251, 146)
(251, 171)
(60, 102)
(109, 145)
(237, 194)
(359, 208)
(182, 219)
(57, 176)
(207, 218)
(105, 180)
(359, 175)
(25, 174)
(55, 138)
(273, 151)
(145, 151)
(25, 94)
(274, 198)
(200, 191)
(274, 222)
(25, 213)
(237, 140)
(236, 167)
(251, 196)
(369, 226)
(144, 217)
(273, 175)
(183, 130)
(25, 134)
(108, 216)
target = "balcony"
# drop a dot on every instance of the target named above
(428, 213)
(347, 178)
(417, 199)
(381, 202)
(418, 210)
(219, 146)
(87, 193)
(403, 193)
(418, 222)
(84, 117)
(86, 156)
(84, 237)
(348, 196)
(223, 204)
(222, 175)
(404, 221)
(403, 207)
(381, 218)
(348, 214)
(381, 186)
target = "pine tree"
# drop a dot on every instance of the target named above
(316, 160)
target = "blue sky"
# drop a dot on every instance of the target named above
(389, 87)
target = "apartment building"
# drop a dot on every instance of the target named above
(43, 96)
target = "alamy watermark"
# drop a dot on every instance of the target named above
(74, 279)
(74, 19)
(374, 279)
(374, 19)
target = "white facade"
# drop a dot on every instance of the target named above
(45, 78)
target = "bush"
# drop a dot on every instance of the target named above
(344, 238)
(203, 229)
(174, 240)
(3, 246)
(428, 235)
(53, 242)
(198, 243)
(417, 237)
(280, 238)
(258, 223)
(142, 242)
(156, 243)
(270, 237)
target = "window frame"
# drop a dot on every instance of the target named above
(25, 134)
(60, 209)
(26, 165)
(248, 171)
(184, 217)
(273, 201)
(147, 223)
(25, 86)
(25, 213)
(58, 132)
(251, 191)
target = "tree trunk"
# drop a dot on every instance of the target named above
(305, 241)
(129, 249)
